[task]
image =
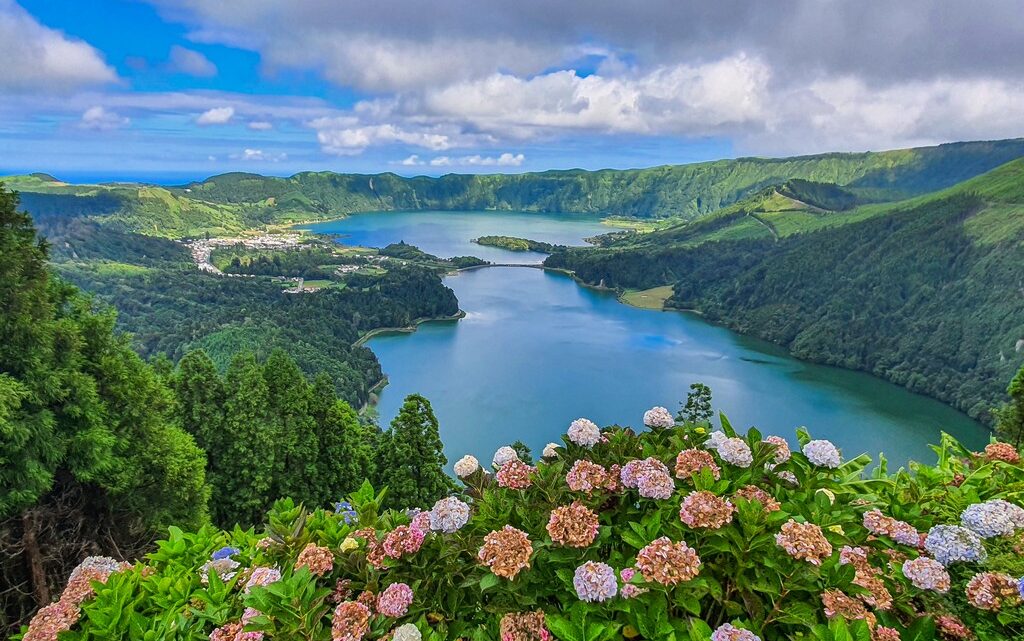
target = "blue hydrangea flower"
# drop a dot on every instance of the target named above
(347, 512)
(952, 543)
(1020, 586)
(225, 552)
(595, 582)
(993, 518)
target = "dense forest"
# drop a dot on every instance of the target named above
(926, 293)
(100, 450)
(233, 202)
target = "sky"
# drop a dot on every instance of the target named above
(175, 90)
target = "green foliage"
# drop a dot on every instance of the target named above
(512, 243)
(90, 457)
(745, 579)
(412, 456)
(1010, 417)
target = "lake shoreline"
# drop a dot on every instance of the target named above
(408, 329)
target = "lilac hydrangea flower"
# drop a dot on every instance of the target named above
(993, 518)
(449, 515)
(952, 543)
(735, 451)
(584, 432)
(658, 418)
(595, 582)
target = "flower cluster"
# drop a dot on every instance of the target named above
(550, 451)
(951, 627)
(318, 559)
(650, 476)
(466, 466)
(838, 603)
(823, 454)
(595, 582)
(584, 432)
(991, 590)
(262, 576)
(351, 621)
(667, 563)
(506, 551)
(691, 462)
(1002, 452)
(705, 510)
(884, 633)
(782, 453)
(993, 518)
(804, 541)
(347, 513)
(728, 632)
(927, 574)
(448, 515)
(58, 617)
(630, 590)
(899, 531)
(515, 475)
(404, 539)
(754, 493)
(735, 451)
(503, 455)
(573, 525)
(524, 626)
(224, 568)
(952, 543)
(395, 600)
(658, 418)
(586, 476)
(406, 632)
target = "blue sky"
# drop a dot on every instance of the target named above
(173, 90)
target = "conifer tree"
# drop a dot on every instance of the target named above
(697, 408)
(1010, 417)
(345, 453)
(295, 456)
(200, 395)
(242, 473)
(413, 457)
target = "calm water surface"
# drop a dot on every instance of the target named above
(536, 351)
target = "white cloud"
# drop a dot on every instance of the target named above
(191, 62)
(37, 58)
(258, 155)
(260, 125)
(99, 119)
(412, 161)
(216, 116)
(350, 141)
(475, 160)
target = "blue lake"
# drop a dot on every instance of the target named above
(536, 351)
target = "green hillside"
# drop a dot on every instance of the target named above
(230, 202)
(925, 292)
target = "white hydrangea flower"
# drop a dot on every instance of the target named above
(504, 455)
(449, 515)
(407, 632)
(736, 451)
(584, 432)
(658, 418)
(715, 439)
(993, 518)
(550, 450)
(823, 453)
(466, 465)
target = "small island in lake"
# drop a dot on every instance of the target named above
(515, 244)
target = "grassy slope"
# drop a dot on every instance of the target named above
(926, 292)
(230, 202)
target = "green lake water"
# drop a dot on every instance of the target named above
(536, 351)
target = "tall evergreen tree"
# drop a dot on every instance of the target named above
(345, 453)
(90, 458)
(200, 395)
(698, 405)
(413, 457)
(1010, 417)
(295, 456)
(243, 471)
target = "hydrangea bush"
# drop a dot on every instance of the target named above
(673, 533)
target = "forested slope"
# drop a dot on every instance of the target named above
(231, 202)
(926, 293)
